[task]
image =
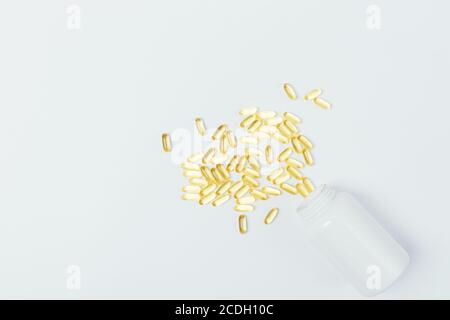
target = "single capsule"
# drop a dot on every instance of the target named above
(241, 164)
(201, 182)
(291, 126)
(295, 163)
(247, 121)
(273, 121)
(275, 174)
(269, 154)
(248, 111)
(294, 173)
(223, 172)
(207, 198)
(191, 196)
(290, 91)
(244, 207)
(231, 138)
(216, 175)
(192, 174)
(249, 181)
(246, 200)
(282, 178)
(249, 140)
(289, 188)
(243, 190)
(233, 162)
(254, 125)
(297, 145)
(192, 189)
(242, 223)
(190, 166)
(271, 191)
(206, 173)
(280, 138)
(261, 135)
(251, 173)
(305, 142)
(209, 155)
(284, 154)
(209, 189)
(301, 189)
(235, 187)
(223, 188)
(269, 130)
(308, 157)
(219, 132)
(167, 144)
(196, 157)
(252, 152)
(284, 130)
(292, 117)
(258, 194)
(322, 103)
(254, 163)
(200, 124)
(308, 184)
(221, 200)
(223, 144)
(266, 114)
(271, 215)
(311, 95)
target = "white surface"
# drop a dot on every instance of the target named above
(83, 180)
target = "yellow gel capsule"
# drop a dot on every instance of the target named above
(280, 138)
(242, 223)
(305, 142)
(251, 173)
(254, 125)
(291, 127)
(206, 173)
(209, 155)
(209, 189)
(190, 166)
(231, 138)
(219, 158)
(269, 154)
(292, 117)
(247, 121)
(223, 144)
(290, 91)
(266, 114)
(243, 190)
(192, 189)
(284, 130)
(270, 130)
(289, 188)
(241, 164)
(271, 215)
(322, 103)
(294, 173)
(244, 207)
(273, 121)
(221, 200)
(294, 163)
(233, 162)
(200, 124)
(249, 140)
(192, 174)
(297, 145)
(248, 111)
(196, 157)
(250, 181)
(167, 144)
(275, 174)
(261, 135)
(308, 184)
(223, 188)
(207, 198)
(308, 157)
(198, 182)
(223, 172)
(252, 152)
(284, 154)
(254, 163)
(216, 175)
(235, 187)
(313, 94)
(246, 200)
(191, 196)
(271, 191)
(282, 178)
(301, 189)
(258, 194)
(219, 132)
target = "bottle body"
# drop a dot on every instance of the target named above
(353, 240)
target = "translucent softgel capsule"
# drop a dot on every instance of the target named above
(207, 198)
(292, 117)
(244, 207)
(242, 223)
(246, 200)
(221, 200)
(293, 172)
(289, 188)
(271, 191)
(322, 103)
(223, 188)
(231, 138)
(200, 124)
(284, 154)
(167, 144)
(258, 194)
(269, 154)
(308, 184)
(308, 157)
(301, 189)
(311, 95)
(219, 132)
(289, 91)
(192, 189)
(209, 155)
(305, 141)
(271, 215)
(248, 111)
(191, 196)
(294, 163)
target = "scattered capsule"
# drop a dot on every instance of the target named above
(308, 184)
(305, 142)
(248, 111)
(231, 138)
(242, 223)
(275, 174)
(282, 178)
(233, 162)
(251, 173)
(269, 130)
(244, 207)
(292, 117)
(223, 188)
(269, 154)
(308, 157)
(246, 200)
(284, 154)
(207, 198)
(254, 163)
(289, 188)
(266, 114)
(196, 157)
(250, 181)
(192, 174)
(322, 103)
(235, 187)
(274, 121)
(192, 189)
(221, 200)
(247, 121)
(167, 144)
(223, 144)
(301, 189)
(254, 125)
(280, 138)
(201, 182)
(209, 189)
(190, 166)
(297, 145)
(219, 132)
(291, 126)
(271, 215)
(191, 196)
(252, 152)
(241, 164)
(258, 194)
(223, 172)
(209, 155)
(313, 94)
(294, 163)
(217, 176)
(284, 130)
(261, 135)
(271, 191)
(294, 173)
(206, 173)
(200, 124)
(243, 190)
(290, 91)
(249, 140)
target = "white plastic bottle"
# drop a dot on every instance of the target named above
(352, 240)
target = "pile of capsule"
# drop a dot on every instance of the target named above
(216, 177)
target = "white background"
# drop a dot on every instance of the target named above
(83, 180)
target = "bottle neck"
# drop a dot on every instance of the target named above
(316, 203)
